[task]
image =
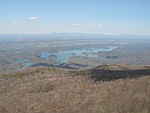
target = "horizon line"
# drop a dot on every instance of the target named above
(71, 33)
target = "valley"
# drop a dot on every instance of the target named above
(22, 52)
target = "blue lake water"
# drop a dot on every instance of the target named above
(21, 61)
(63, 56)
(29, 64)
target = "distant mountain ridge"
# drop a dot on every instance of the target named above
(75, 34)
(90, 35)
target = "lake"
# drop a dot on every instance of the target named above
(63, 56)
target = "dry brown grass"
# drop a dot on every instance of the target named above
(57, 92)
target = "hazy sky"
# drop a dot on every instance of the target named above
(86, 16)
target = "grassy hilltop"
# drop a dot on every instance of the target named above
(103, 89)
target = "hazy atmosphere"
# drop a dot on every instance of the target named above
(74, 56)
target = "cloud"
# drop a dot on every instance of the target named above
(78, 25)
(94, 25)
(100, 25)
(15, 22)
(33, 18)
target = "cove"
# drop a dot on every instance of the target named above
(63, 56)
